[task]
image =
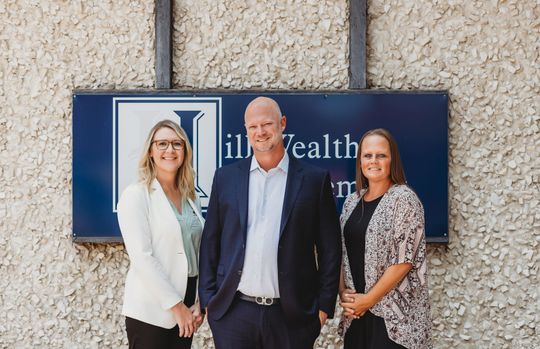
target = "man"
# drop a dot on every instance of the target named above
(271, 252)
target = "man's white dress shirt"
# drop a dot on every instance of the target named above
(266, 194)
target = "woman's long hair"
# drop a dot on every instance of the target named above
(185, 177)
(397, 174)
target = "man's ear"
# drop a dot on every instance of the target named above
(283, 122)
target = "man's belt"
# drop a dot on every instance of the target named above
(259, 300)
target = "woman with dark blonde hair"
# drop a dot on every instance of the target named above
(383, 287)
(161, 224)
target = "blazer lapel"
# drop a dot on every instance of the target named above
(292, 188)
(243, 193)
(161, 204)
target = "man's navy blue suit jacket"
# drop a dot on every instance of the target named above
(308, 279)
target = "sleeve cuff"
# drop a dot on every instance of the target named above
(171, 302)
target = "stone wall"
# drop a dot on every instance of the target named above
(55, 294)
(484, 284)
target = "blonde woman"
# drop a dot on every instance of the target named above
(161, 223)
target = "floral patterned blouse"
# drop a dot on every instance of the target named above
(395, 235)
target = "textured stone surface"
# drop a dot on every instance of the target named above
(261, 44)
(56, 294)
(484, 284)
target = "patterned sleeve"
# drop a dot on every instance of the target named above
(346, 209)
(409, 244)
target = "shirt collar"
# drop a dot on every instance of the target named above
(283, 164)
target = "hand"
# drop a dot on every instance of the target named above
(197, 315)
(354, 304)
(343, 294)
(185, 320)
(322, 317)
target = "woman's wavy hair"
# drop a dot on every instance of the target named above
(185, 177)
(397, 174)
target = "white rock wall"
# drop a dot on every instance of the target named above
(485, 285)
(486, 53)
(276, 44)
(55, 294)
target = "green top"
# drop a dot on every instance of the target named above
(191, 235)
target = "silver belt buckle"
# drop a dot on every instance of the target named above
(264, 301)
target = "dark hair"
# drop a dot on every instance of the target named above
(397, 174)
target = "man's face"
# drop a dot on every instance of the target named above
(264, 128)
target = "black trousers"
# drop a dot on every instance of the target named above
(142, 335)
(369, 332)
(247, 325)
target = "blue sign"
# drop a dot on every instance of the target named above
(109, 129)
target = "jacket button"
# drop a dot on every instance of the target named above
(239, 272)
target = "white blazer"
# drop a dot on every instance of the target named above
(157, 276)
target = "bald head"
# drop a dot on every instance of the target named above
(263, 104)
(264, 125)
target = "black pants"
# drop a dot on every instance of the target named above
(145, 336)
(369, 332)
(247, 325)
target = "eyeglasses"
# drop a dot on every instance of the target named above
(163, 144)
